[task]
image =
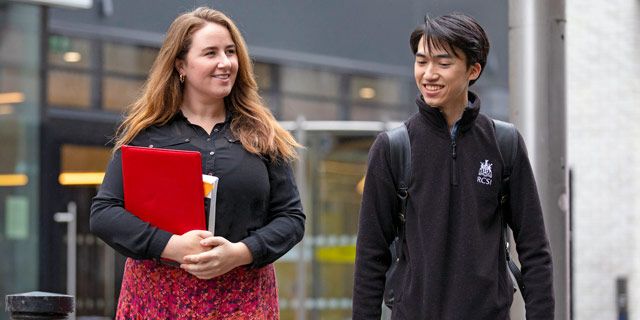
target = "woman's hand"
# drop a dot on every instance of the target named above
(220, 259)
(188, 243)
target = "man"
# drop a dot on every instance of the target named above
(453, 263)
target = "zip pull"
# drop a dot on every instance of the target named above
(453, 146)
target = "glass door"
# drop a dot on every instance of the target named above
(74, 156)
(96, 269)
(316, 278)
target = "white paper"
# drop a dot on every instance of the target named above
(213, 180)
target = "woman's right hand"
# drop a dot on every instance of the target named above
(186, 244)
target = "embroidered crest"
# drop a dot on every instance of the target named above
(484, 174)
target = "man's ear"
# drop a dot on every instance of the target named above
(475, 71)
(179, 65)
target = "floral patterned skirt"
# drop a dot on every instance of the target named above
(152, 290)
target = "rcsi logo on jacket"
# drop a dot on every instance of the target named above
(484, 174)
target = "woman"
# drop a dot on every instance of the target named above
(201, 95)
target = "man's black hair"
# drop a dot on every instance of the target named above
(456, 30)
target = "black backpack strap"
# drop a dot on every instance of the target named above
(400, 157)
(507, 137)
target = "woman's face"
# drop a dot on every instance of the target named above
(211, 64)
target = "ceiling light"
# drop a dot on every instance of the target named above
(72, 56)
(367, 93)
(80, 178)
(13, 180)
(11, 97)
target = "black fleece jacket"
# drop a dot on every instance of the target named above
(453, 265)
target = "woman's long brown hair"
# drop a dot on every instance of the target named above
(253, 123)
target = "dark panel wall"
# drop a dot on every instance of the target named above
(367, 30)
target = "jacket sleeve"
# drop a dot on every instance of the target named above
(285, 222)
(119, 228)
(375, 233)
(530, 236)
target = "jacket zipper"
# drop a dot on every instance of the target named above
(454, 155)
(454, 178)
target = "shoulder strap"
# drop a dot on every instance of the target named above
(507, 137)
(400, 157)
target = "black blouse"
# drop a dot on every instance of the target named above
(257, 201)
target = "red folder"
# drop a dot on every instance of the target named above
(164, 187)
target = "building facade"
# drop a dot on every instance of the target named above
(603, 91)
(67, 75)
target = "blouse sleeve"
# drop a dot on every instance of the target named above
(285, 222)
(119, 228)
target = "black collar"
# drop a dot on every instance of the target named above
(227, 117)
(436, 118)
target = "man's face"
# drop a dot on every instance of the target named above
(443, 78)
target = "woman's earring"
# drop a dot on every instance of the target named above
(181, 78)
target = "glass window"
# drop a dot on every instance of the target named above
(262, 72)
(69, 77)
(15, 44)
(128, 59)
(83, 165)
(270, 102)
(310, 109)
(78, 158)
(309, 82)
(119, 93)
(20, 83)
(9, 133)
(126, 67)
(384, 90)
(69, 52)
(378, 99)
(69, 89)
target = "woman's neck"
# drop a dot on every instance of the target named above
(205, 114)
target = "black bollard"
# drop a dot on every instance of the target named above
(39, 305)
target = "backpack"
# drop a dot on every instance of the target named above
(400, 156)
